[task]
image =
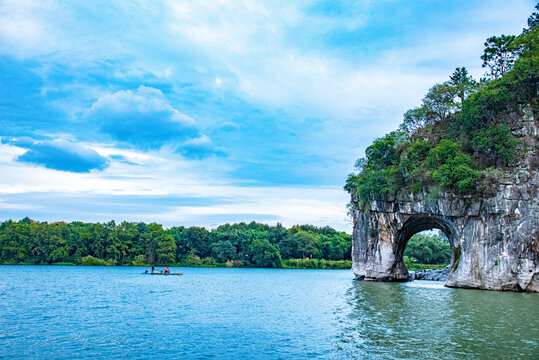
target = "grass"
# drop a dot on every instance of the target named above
(417, 267)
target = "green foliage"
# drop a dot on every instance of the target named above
(194, 238)
(499, 54)
(139, 261)
(426, 249)
(383, 152)
(440, 100)
(497, 144)
(411, 163)
(89, 260)
(379, 173)
(415, 119)
(222, 251)
(140, 244)
(192, 259)
(13, 238)
(462, 130)
(208, 261)
(533, 20)
(451, 168)
(411, 264)
(462, 83)
(308, 244)
(316, 264)
(265, 255)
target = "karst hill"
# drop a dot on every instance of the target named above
(465, 162)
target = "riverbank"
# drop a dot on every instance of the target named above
(286, 264)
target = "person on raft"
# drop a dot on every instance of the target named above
(153, 268)
(166, 270)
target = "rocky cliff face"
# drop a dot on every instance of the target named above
(494, 238)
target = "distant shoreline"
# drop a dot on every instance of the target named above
(343, 265)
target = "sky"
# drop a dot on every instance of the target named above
(199, 113)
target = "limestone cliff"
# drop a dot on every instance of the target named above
(494, 237)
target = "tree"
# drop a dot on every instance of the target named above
(223, 251)
(308, 244)
(451, 168)
(13, 238)
(437, 104)
(527, 43)
(195, 238)
(383, 151)
(277, 233)
(98, 245)
(416, 118)
(263, 254)
(127, 234)
(428, 249)
(463, 83)
(109, 243)
(158, 245)
(533, 20)
(166, 248)
(499, 54)
(440, 100)
(288, 247)
(497, 144)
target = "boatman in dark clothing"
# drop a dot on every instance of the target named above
(153, 268)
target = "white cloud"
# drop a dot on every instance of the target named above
(143, 118)
(247, 48)
(25, 28)
(154, 174)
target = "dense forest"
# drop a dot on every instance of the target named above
(236, 245)
(459, 139)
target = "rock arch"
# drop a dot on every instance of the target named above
(494, 237)
(494, 241)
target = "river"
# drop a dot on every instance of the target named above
(60, 312)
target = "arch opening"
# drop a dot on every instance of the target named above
(422, 225)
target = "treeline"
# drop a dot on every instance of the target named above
(459, 139)
(428, 249)
(253, 244)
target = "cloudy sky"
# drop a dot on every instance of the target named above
(203, 112)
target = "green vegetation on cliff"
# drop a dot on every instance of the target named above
(236, 245)
(460, 138)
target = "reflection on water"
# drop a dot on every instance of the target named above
(423, 319)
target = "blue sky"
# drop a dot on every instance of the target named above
(206, 112)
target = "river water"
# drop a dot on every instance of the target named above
(62, 312)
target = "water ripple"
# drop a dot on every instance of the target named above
(114, 312)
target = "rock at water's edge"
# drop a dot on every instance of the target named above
(494, 239)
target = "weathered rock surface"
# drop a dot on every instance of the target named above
(494, 238)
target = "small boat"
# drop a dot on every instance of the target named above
(161, 273)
